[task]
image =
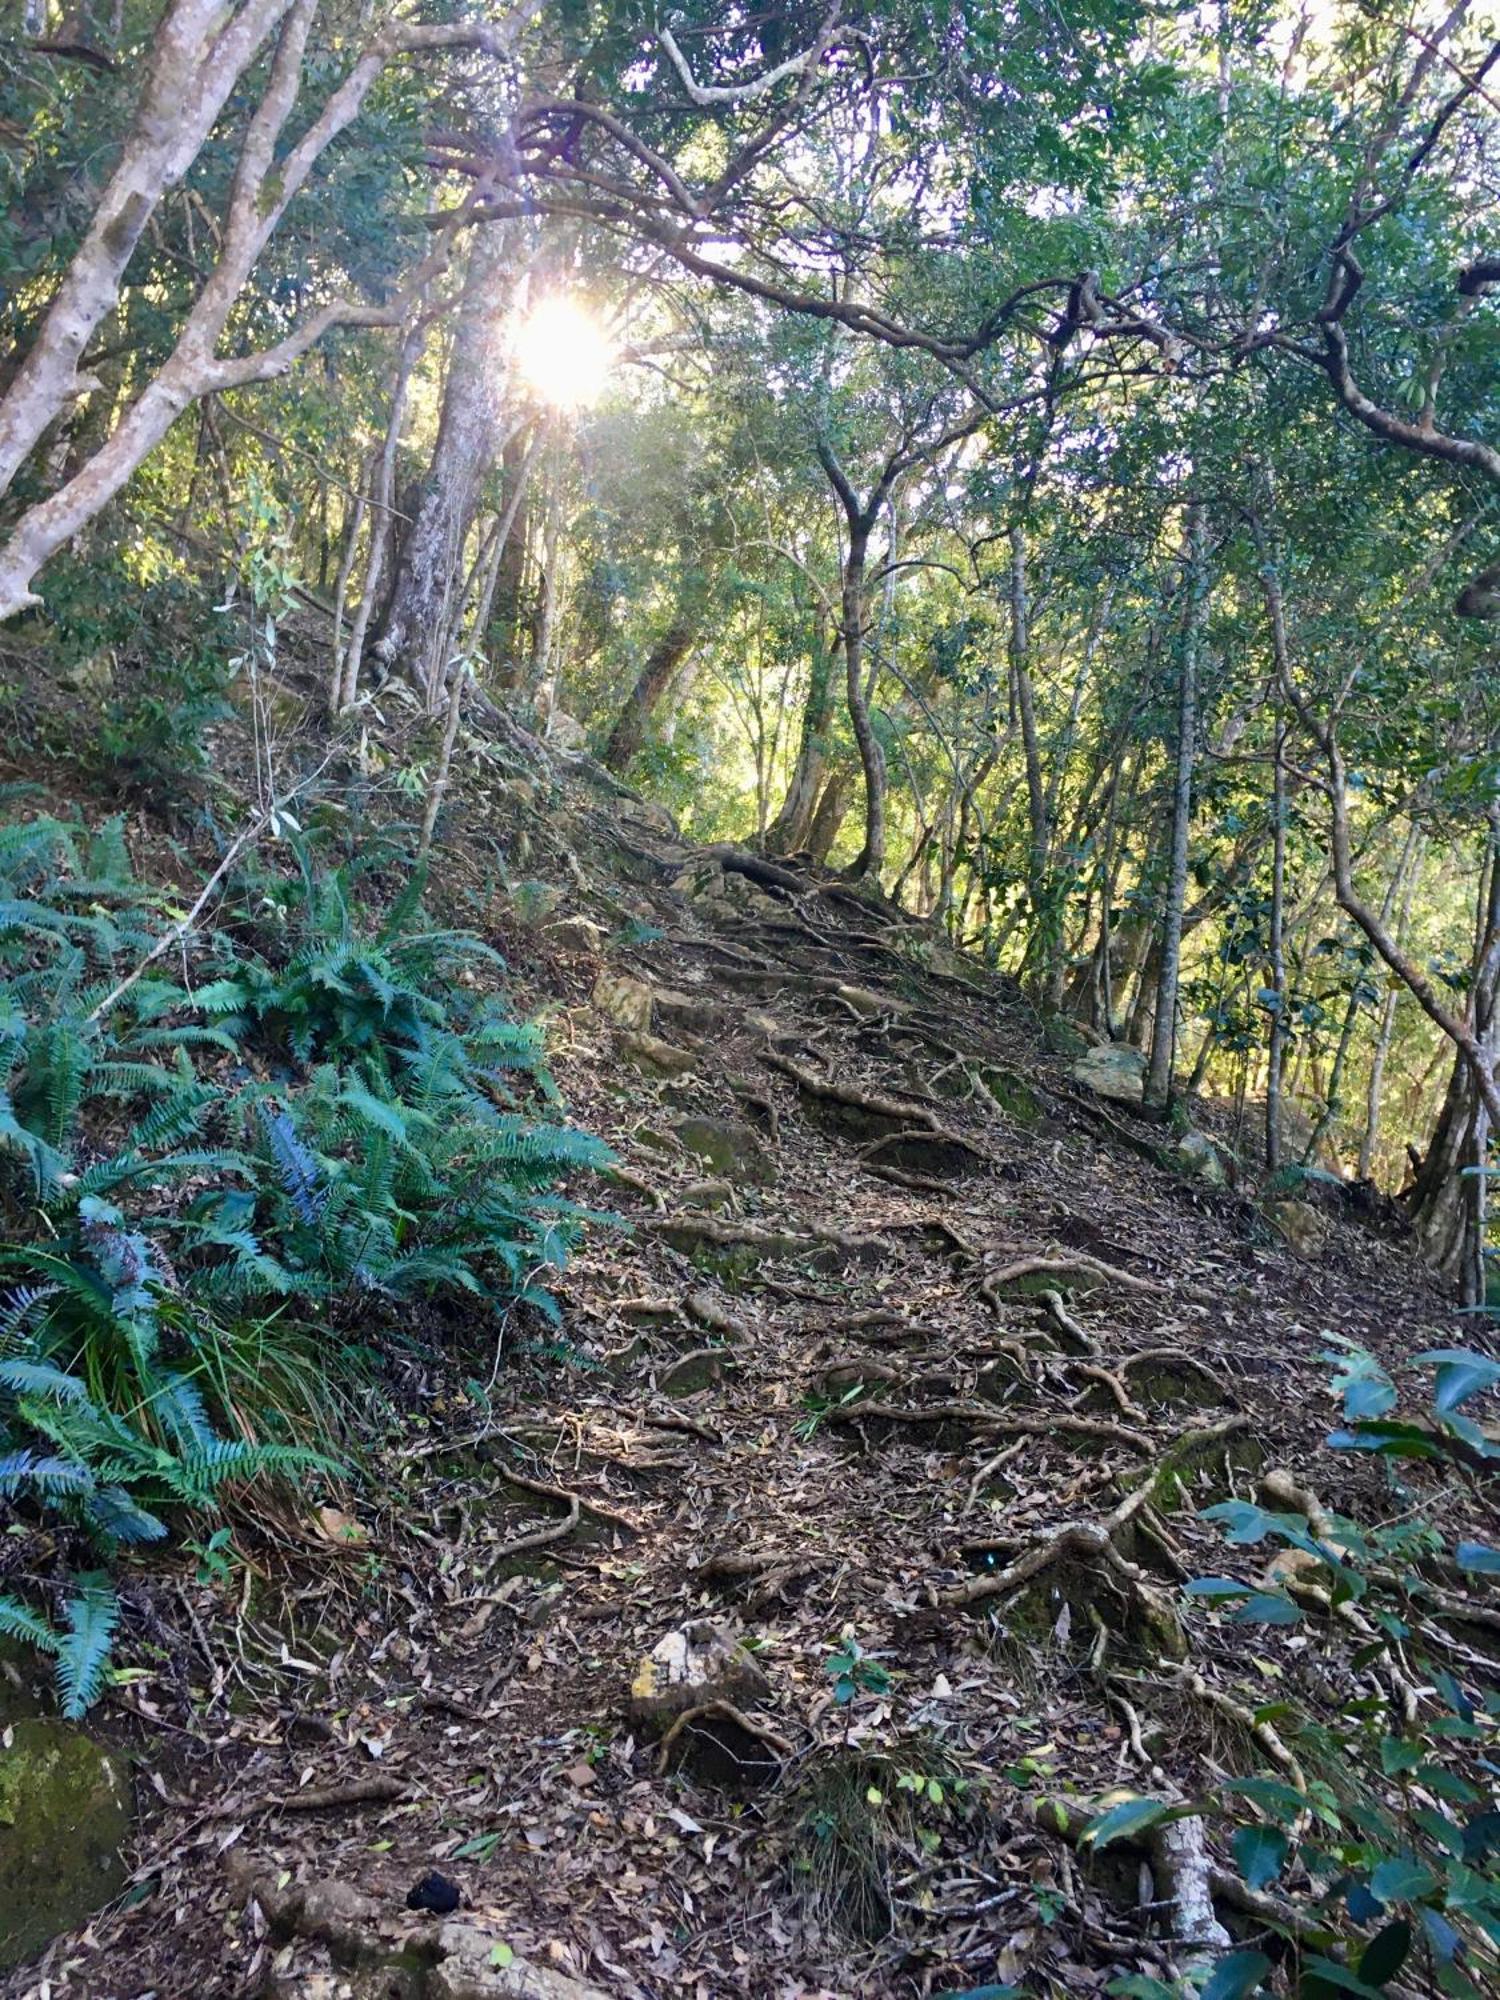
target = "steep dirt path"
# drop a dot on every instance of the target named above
(903, 1376)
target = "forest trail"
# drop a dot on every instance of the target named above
(898, 1308)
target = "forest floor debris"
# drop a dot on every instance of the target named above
(921, 1481)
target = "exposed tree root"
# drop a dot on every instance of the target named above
(569, 1499)
(1065, 1323)
(1074, 1263)
(540, 1538)
(993, 1464)
(905, 1110)
(1093, 1371)
(990, 1421)
(715, 1315)
(1265, 1733)
(720, 1711)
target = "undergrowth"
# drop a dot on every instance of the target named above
(219, 1184)
(1373, 1840)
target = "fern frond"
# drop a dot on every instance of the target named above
(17, 1622)
(116, 1516)
(83, 1650)
(21, 1377)
(53, 1478)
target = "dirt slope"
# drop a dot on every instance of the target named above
(899, 1308)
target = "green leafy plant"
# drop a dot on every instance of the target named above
(853, 1672)
(172, 1218)
(1396, 1828)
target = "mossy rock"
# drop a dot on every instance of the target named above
(1013, 1094)
(728, 1259)
(730, 1146)
(64, 1815)
(710, 1196)
(1064, 1037)
(1000, 1378)
(699, 1370)
(1203, 1463)
(1060, 1607)
(1035, 1284)
(1116, 1070)
(1177, 1384)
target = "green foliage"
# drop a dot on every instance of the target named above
(853, 1673)
(163, 660)
(170, 1216)
(1397, 1834)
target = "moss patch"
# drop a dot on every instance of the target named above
(64, 1814)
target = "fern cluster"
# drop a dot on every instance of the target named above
(198, 1178)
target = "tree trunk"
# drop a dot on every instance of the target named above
(424, 598)
(1276, 968)
(662, 662)
(788, 831)
(1448, 1204)
(1158, 1084)
(860, 519)
(828, 818)
(1020, 660)
(196, 60)
(1373, 1094)
(871, 857)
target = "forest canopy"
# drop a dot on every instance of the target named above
(1042, 461)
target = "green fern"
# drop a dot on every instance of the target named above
(83, 1650)
(17, 1622)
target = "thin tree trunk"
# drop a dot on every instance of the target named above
(1276, 1048)
(1020, 662)
(1335, 786)
(383, 527)
(1371, 1136)
(1158, 1083)
(788, 830)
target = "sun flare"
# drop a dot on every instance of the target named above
(564, 353)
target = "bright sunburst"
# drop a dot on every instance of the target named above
(563, 353)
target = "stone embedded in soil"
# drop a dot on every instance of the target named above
(64, 1814)
(1299, 1224)
(576, 934)
(1196, 1154)
(623, 1000)
(650, 1052)
(730, 1146)
(1115, 1071)
(689, 1666)
(336, 1943)
(692, 1372)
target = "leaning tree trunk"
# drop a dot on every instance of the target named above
(788, 831)
(656, 676)
(871, 857)
(828, 818)
(1447, 1203)
(429, 570)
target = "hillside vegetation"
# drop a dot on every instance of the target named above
(749, 933)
